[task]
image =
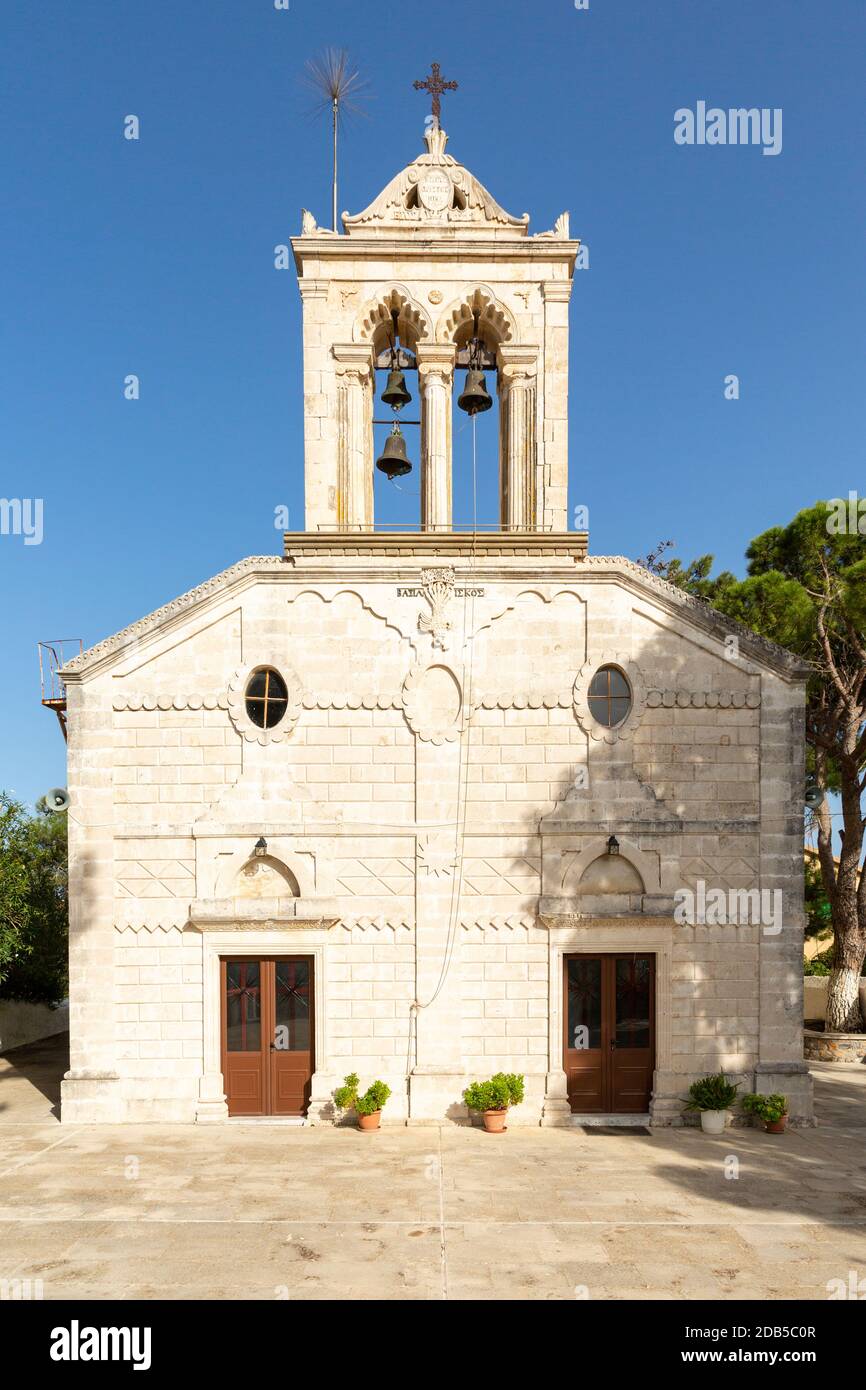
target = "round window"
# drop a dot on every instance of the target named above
(609, 696)
(266, 697)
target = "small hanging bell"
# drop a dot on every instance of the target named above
(475, 397)
(393, 461)
(396, 393)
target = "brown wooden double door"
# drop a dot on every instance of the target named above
(267, 1034)
(609, 1044)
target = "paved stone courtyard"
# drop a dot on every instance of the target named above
(262, 1211)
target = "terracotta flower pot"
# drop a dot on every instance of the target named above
(713, 1121)
(370, 1121)
(776, 1126)
(494, 1120)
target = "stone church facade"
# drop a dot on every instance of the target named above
(426, 805)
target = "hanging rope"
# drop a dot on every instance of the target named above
(462, 765)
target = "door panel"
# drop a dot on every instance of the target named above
(267, 1034)
(584, 1063)
(609, 1044)
(291, 1052)
(243, 1058)
(632, 1019)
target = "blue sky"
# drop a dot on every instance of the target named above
(155, 257)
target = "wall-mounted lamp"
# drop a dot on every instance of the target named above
(613, 845)
(261, 846)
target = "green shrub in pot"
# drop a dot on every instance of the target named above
(712, 1097)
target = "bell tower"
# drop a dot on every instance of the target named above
(436, 281)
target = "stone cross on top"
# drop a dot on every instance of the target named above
(435, 85)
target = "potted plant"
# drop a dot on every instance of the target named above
(712, 1097)
(493, 1098)
(773, 1110)
(367, 1107)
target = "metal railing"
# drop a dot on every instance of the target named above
(53, 656)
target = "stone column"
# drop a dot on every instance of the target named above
(320, 423)
(553, 496)
(211, 1107)
(90, 1089)
(355, 380)
(436, 380)
(518, 434)
(780, 1066)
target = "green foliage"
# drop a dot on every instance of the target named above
(502, 1090)
(694, 577)
(786, 576)
(818, 912)
(346, 1097)
(712, 1093)
(792, 566)
(766, 1108)
(13, 885)
(373, 1098)
(34, 918)
(815, 966)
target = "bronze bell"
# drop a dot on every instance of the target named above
(393, 461)
(396, 393)
(474, 397)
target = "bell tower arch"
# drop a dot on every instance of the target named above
(436, 280)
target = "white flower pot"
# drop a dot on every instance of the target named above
(713, 1121)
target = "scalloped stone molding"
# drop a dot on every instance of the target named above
(521, 701)
(341, 700)
(580, 697)
(344, 701)
(331, 700)
(132, 700)
(250, 732)
(703, 699)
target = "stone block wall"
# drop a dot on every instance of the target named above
(359, 796)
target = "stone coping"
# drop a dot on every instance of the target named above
(427, 545)
(845, 1048)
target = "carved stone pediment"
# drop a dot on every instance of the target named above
(434, 189)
